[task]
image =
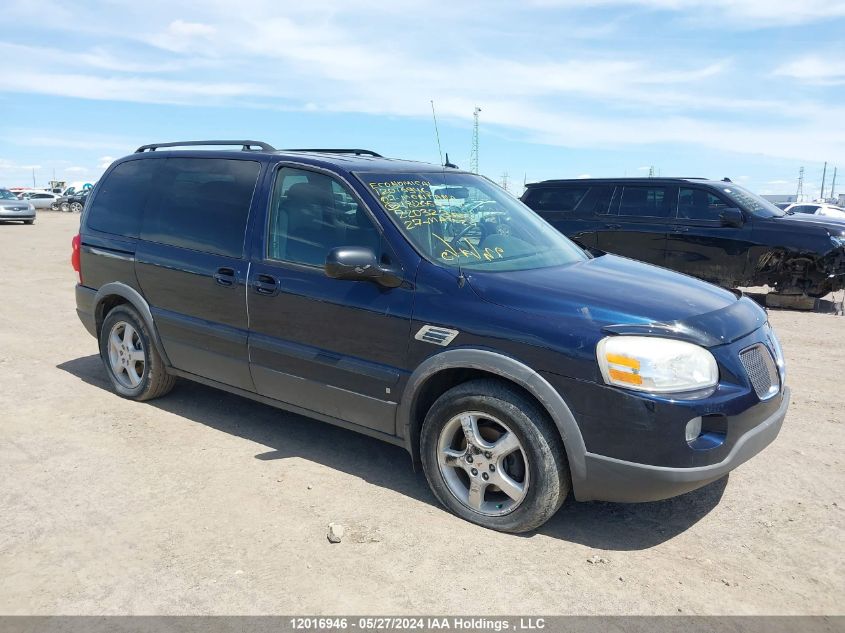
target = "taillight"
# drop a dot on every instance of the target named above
(75, 258)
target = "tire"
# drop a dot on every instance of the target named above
(132, 362)
(54, 206)
(75, 207)
(535, 472)
(64, 206)
(29, 221)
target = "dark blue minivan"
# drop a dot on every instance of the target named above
(427, 307)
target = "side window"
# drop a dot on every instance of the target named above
(648, 202)
(806, 208)
(121, 198)
(601, 200)
(555, 198)
(311, 214)
(203, 204)
(699, 204)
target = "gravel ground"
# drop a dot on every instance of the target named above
(207, 503)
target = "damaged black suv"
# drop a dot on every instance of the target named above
(713, 230)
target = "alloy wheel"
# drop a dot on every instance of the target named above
(126, 354)
(483, 463)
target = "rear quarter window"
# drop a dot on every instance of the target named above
(121, 198)
(555, 198)
(203, 204)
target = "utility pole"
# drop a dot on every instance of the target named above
(505, 181)
(33, 177)
(799, 195)
(651, 172)
(833, 187)
(824, 175)
(473, 155)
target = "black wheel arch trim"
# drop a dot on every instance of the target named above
(134, 298)
(509, 369)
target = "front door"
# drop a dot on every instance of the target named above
(700, 245)
(332, 346)
(639, 226)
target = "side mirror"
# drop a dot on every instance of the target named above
(732, 217)
(356, 263)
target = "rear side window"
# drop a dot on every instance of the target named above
(647, 202)
(698, 204)
(121, 198)
(203, 204)
(555, 198)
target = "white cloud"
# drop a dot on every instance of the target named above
(827, 70)
(734, 14)
(104, 161)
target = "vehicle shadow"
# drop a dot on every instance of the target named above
(609, 526)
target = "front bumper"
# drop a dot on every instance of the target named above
(17, 215)
(610, 479)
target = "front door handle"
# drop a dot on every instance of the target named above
(226, 277)
(265, 285)
(680, 229)
(613, 227)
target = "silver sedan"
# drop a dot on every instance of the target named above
(13, 209)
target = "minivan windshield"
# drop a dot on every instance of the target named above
(464, 220)
(751, 201)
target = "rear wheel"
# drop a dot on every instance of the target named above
(492, 456)
(132, 362)
(76, 207)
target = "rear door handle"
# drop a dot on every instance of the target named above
(226, 277)
(613, 227)
(680, 229)
(265, 285)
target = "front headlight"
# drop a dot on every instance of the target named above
(656, 365)
(31, 207)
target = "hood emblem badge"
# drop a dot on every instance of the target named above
(437, 335)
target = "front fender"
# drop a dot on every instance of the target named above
(509, 369)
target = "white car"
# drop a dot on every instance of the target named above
(40, 199)
(817, 208)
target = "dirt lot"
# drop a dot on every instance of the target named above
(204, 502)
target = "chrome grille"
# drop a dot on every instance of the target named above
(761, 370)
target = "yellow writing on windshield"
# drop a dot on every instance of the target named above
(414, 204)
(457, 251)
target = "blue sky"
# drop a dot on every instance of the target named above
(750, 89)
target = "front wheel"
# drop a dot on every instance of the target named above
(76, 207)
(132, 362)
(64, 206)
(492, 456)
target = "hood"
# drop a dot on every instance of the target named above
(834, 225)
(624, 296)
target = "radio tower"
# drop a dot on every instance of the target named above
(473, 155)
(799, 195)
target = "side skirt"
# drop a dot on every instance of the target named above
(390, 439)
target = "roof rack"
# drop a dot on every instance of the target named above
(245, 145)
(357, 152)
